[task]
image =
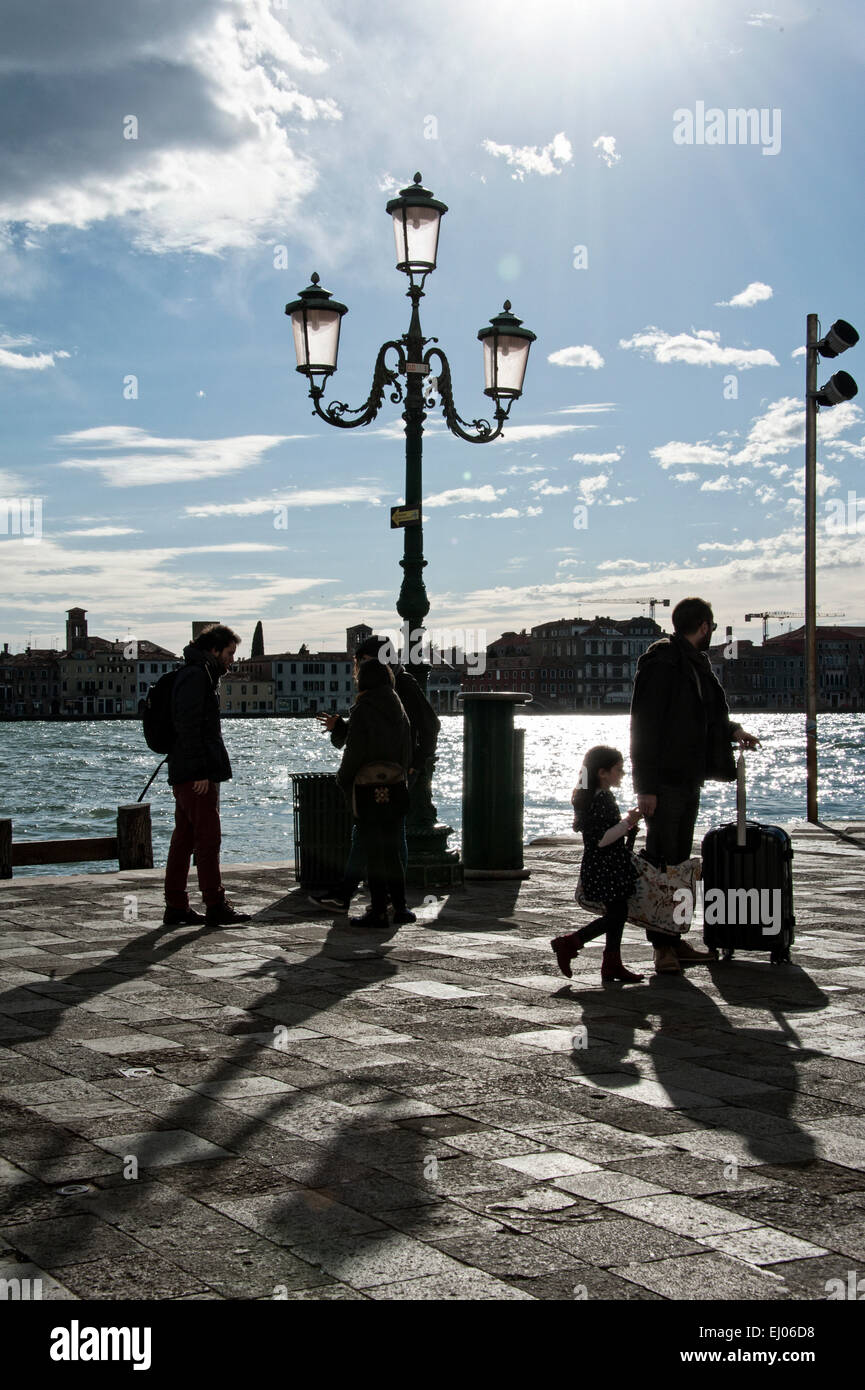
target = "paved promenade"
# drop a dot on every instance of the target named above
(297, 1109)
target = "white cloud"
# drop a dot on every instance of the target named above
(617, 565)
(743, 547)
(487, 493)
(606, 147)
(596, 458)
(529, 159)
(782, 428)
(677, 455)
(151, 460)
(584, 356)
(545, 488)
(591, 409)
(25, 362)
(725, 483)
(760, 18)
(13, 485)
(129, 585)
(303, 497)
(799, 352)
(213, 166)
(96, 531)
(752, 294)
(518, 434)
(589, 489)
(701, 347)
(518, 468)
(686, 477)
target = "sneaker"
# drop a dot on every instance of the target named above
(224, 915)
(181, 917)
(332, 900)
(371, 919)
(687, 953)
(666, 961)
(402, 919)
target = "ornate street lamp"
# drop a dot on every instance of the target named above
(315, 319)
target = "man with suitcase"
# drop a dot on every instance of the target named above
(681, 736)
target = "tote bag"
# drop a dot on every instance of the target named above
(663, 899)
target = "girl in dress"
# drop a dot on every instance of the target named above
(606, 874)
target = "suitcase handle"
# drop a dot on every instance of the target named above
(741, 835)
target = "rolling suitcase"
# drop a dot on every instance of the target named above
(748, 885)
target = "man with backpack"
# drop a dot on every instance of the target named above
(197, 763)
(425, 726)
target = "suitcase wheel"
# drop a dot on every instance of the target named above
(781, 956)
(727, 954)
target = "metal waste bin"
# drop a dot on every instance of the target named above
(492, 838)
(322, 829)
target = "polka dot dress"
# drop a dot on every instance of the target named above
(605, 873)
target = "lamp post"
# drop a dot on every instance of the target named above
(316, 319)
(840, 387)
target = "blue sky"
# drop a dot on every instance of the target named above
(662, 392)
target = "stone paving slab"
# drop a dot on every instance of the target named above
(299, 1109)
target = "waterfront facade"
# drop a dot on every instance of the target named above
(92, 678)
(569, 663)
(772, 676)
(565, 665)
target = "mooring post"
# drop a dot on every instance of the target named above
(134, 837)
(5, 849)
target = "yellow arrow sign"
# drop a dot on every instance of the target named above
(404, 516)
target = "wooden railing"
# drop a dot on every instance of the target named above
(132, 846)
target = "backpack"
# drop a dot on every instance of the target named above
(156, 721)
(425, 724)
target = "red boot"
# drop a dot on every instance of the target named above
(612, 967)
(565, 948)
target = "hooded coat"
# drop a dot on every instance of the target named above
(378, 731)
(423, 720)
(198, 753)
(681, 732)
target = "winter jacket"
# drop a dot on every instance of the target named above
(378, 731)
(681, 732)
(198, 753)
(422, 718)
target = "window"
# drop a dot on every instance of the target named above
(154, 668)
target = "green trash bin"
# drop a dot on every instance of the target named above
(322, 829)
(492, 786)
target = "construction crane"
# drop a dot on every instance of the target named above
(782, 613)
(627, 599)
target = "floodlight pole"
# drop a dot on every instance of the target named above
(811, 566)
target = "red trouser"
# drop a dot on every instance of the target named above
(196, 827)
